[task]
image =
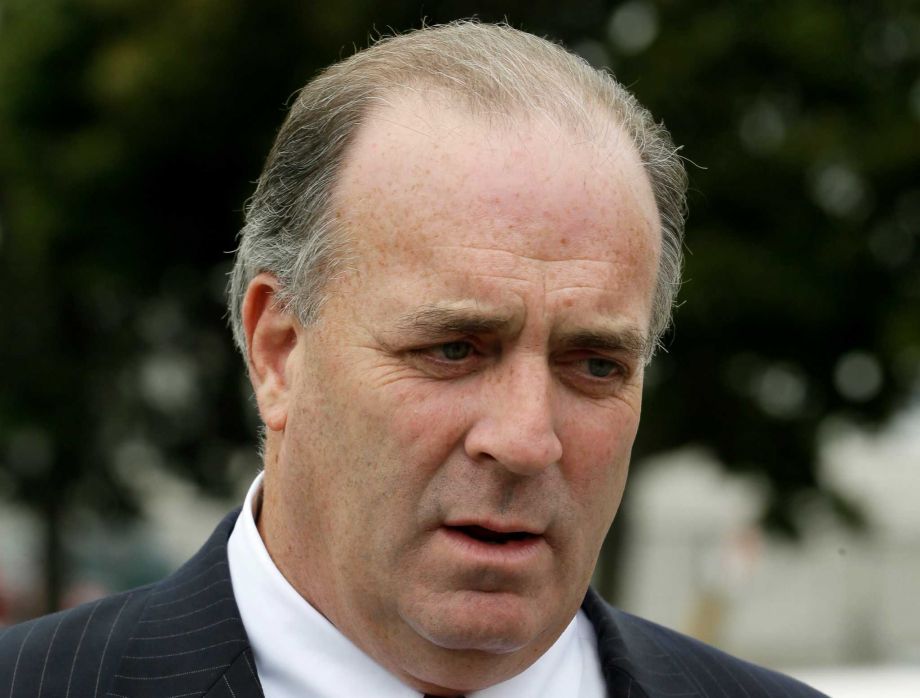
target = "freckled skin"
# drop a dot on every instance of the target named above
(375, 439)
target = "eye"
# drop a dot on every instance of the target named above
(593, 374)
(448, 359)
(601, 368)
(455, 351)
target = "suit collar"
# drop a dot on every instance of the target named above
(639, 658)
(189, 639)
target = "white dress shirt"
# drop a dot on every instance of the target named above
(300, 654)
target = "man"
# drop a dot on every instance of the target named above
(458, 260)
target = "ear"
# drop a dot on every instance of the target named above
(271, 336)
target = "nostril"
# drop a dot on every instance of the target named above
(526, 454)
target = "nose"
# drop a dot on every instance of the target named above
(515, 425)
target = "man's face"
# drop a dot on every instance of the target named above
(459, 421)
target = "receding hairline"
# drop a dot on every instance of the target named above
(595, 124)
(566, 102)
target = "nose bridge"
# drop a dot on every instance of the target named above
(517, 423)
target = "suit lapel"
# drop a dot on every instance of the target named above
(190, 639)
(611, 649)
(239, 681)
(635, 664)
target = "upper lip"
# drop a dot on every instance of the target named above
(497, 526)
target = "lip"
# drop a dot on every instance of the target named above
(497, 526)
(511, 553)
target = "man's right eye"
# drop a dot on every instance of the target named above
(448, 359)
(455, 351)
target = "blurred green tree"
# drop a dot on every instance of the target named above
(130, 134)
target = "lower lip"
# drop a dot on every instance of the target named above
(509, 552)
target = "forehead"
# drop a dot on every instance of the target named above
(428, 186)
(430, 157)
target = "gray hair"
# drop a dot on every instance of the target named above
(289, 229)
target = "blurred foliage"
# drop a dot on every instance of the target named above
(802, 294)
(130, 134)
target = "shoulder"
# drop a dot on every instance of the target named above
(637, 652)
(80, 652)
(67, 653)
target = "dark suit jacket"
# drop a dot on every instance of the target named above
(183, 638)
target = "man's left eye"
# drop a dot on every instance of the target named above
(601, 368)
(456, 351)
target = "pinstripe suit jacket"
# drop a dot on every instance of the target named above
(183, 638)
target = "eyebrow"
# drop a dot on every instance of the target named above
(628, 340)
(435, 320)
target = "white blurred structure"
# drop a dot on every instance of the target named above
(697, 561)
(864, 682)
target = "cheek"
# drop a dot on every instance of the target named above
(597, 444)
(425, 416)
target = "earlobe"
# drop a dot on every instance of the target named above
(271, 336)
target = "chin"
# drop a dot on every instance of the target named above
(487, 641)
(470, 640)
(491, 624)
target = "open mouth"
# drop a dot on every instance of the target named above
(487, 535)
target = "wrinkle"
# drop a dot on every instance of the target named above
(575, 287)
(518, 255)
